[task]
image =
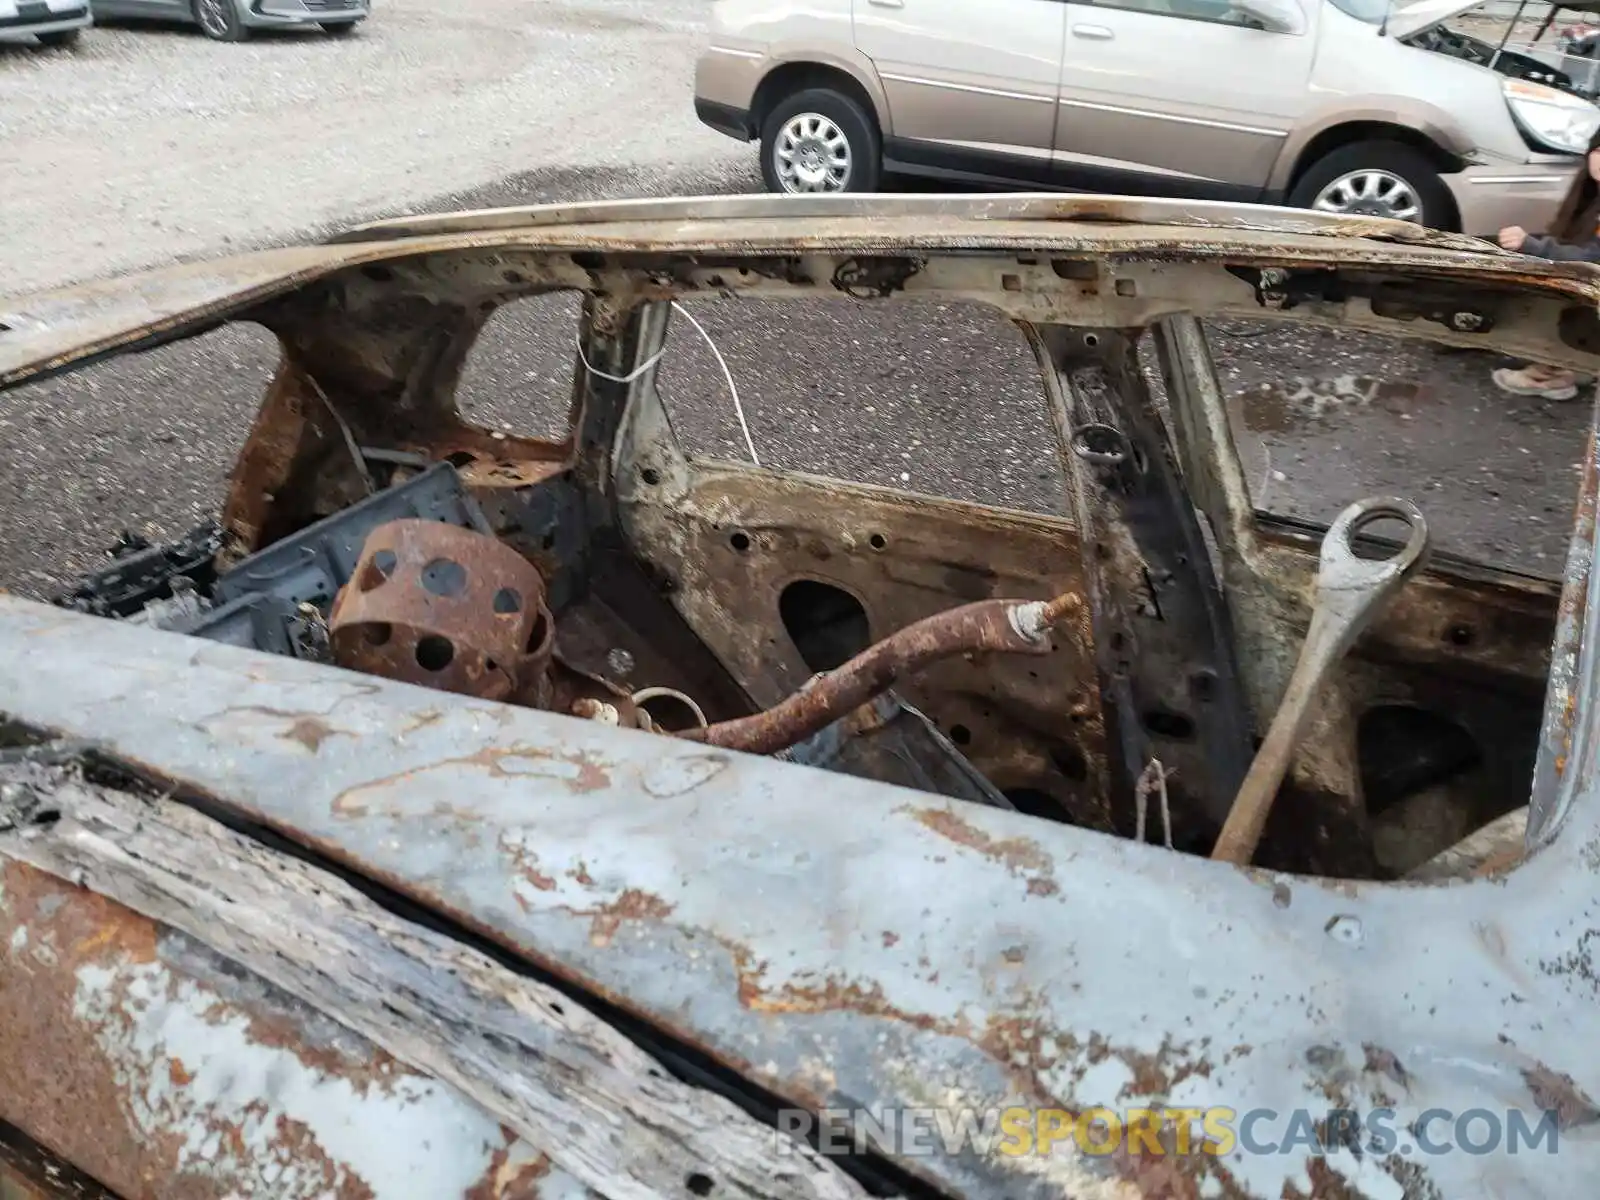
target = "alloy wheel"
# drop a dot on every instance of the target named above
(1371, 193)
(213, 17)
(812, 155)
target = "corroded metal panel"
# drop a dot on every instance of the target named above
(859, 944)
(156, 1068)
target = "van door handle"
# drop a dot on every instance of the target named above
(887, 3)
(1098, 33)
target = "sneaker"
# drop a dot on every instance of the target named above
(1523, 383)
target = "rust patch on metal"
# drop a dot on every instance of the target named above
(311, 732)
(94, 1009)
(516, 1172)
(1164, 1162)
(1383, 1062)
(631, 905)
(1017, 855)
(276, 442)
(1326, 1184)
(505, 472)
(1153, 1074)
(442, 607)
(1557, 1093)
(829, 995)
(386, 797)
(526, 863)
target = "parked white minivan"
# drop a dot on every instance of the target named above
(1358, 106)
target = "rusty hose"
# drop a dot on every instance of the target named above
(1003, 626)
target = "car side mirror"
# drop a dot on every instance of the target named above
(1275, 16)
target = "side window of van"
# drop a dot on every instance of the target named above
(1220, 12)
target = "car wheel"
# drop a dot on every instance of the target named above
(820, 141)
(340, 28)
(219, 20)
(1376, 179)
(60, 37)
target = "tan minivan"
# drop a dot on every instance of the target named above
(1358, 106)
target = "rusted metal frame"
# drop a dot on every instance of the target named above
(824, 983)
(152, 1064)
(1569, 757)
(165, 305)
(619, 339)
(1208, 453)
(1164, 645)
(624, 440)
(1219, 216)
(394, 1009)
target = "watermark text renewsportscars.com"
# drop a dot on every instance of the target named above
(1016, 1132)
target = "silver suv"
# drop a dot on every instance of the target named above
(52, 22)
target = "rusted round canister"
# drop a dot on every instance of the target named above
(444, 607)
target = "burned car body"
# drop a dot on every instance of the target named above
(439, 794)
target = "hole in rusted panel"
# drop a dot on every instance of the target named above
(961, 735)
(435, 653)
(827, 625)
(377, 634)
(444, 577)
(1071, 762)
(1069, 268)
(740, 541)
(700, 1185)
(507, 601)
(1179, 727)
(377, 571)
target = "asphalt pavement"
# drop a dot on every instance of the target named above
(942, 399)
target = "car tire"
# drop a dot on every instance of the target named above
(1367, 178)
(59, 37)
(219, 21)
(829, 114)
(340, 28)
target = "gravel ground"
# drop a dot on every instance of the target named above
(939, 398)
(149, 142)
